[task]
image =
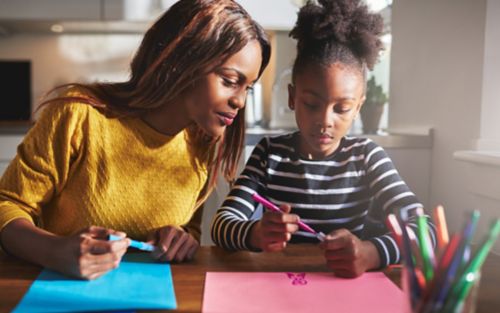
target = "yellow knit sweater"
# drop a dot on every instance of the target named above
(76, 168)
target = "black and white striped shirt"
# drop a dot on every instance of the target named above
(356, 184)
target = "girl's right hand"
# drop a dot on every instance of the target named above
(88, 254)
(274, 230)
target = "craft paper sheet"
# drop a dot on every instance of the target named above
(300, 292)
(138, 283)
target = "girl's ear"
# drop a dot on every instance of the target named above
(291, 97)
(361, 102)
(358, 107)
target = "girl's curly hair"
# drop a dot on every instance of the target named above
(337, 31)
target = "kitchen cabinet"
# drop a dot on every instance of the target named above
(272, 15)
(40, 10)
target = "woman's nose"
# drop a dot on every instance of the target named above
(238, 100)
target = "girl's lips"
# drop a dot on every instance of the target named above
(324, 139)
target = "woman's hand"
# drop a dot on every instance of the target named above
(173, 244)
(347, 255)
(88, 254)
(274, 230)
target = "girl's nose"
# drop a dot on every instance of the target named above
(326, 120)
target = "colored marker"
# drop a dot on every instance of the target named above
(441, 227)
(468, 234)
(409, 274)
(268, 204)
(457, 262)
(415, 248)
(134, 243)
(434, 297)
(426, 249)
(393, 224)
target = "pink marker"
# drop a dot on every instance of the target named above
(268, 204)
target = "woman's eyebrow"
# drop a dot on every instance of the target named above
(241, 76)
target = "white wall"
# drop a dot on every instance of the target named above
(490, 104)
(438, 50)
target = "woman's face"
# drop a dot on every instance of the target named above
(216, 98)
(326, 99)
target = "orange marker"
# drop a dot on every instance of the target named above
(441, 228)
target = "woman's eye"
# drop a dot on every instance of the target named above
(229, 82)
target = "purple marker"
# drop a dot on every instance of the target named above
(268, 204)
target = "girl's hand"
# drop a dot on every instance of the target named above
(173, 244)
(347, 255)
(274, 230)
(88, 254)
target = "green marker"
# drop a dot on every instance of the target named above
(426, 249)
(469, 277)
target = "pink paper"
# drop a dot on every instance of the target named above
(300, 292)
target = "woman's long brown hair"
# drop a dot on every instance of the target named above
(189, 40)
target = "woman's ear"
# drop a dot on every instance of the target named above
(291, 97)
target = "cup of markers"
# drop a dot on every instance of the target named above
(444, 279)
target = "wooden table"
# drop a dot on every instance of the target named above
(16, 276)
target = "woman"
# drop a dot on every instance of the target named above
(136, 158)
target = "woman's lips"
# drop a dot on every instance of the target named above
(226, 118)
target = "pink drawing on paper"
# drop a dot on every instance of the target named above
(297, 279)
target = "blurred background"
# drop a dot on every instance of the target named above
(437, 84)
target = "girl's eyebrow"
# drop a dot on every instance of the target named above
(317, 95)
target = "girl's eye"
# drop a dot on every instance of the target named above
(311, 106)
(341, 109)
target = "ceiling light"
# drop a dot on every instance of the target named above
(57, 28)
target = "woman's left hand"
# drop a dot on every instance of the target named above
(173, 244)
(347, 255)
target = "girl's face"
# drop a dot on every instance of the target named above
(215, 99)
(326, 100)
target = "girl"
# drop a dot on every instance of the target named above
(138, 156)
(333, 182)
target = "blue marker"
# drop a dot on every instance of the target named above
(134, 243)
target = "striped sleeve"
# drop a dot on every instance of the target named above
(232, 222)
(390, 194)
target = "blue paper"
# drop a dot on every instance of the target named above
(138, 283)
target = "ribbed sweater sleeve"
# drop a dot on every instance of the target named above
(78, 167)
(42, 164)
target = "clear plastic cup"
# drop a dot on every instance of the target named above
(453, 303)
